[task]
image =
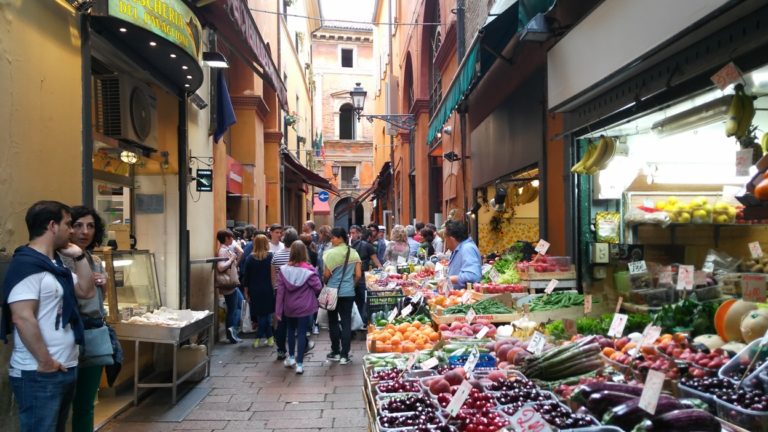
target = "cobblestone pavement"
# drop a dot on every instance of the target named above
(251, 390)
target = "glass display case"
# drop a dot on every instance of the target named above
(132, 287)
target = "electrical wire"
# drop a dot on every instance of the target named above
(341, 20)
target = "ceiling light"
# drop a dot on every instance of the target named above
(702, 115)
(189, 76)
(123, 29)
(215, 59)
(153, 43)
(535, 183)
(129, 157)
(173, 55)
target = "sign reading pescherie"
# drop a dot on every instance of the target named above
(170, 19)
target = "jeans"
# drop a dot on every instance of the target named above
(234, 303)
(88, 379)
(298, 327)
(343, 334)
(44, 399)
(360, 302)
(280, 334)
(264, 330)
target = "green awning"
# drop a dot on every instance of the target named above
(456, 91)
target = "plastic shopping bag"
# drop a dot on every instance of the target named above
(357, 321)
(245, 316)
(322, 318)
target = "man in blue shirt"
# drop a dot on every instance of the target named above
(465, 264)
(410, 231)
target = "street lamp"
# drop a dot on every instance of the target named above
(335, 170)
(358, 99)
(401, 121)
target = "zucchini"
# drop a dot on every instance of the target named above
(681, 421)
(583, 393)
(600, 402)
(627, 415)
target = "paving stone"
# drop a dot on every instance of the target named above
(215, 399)
(202, 425)
(249, 425)
(268, 406)
(224, 406)
(301, 406)
(302, 397)
(268, 415)
(282, 424)
(198, 414)
(347, 404)
(359, 421)
(336, 413)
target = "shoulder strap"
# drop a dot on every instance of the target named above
(344, 267)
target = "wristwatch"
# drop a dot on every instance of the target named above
(80, 258)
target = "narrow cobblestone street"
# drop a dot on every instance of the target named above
(250, 390)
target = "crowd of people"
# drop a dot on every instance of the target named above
(53, 298)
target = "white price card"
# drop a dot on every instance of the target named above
(412, 357)
(429, 363)
(483, 331)
(617, 325)
(753, 287)
(743, 161)
(447, 287)
(637, 267)
(618, 303)
(401, 261)
(472, 359)
(392, 315)
(458, 399)
(685, 277)
(392, 285)
(587, 303)
(542, 247)
(471, 315)
(416, 297)
(665, 277)
(536, 344)
(406, 310)
(651, 391)
(551, 286)
(466, 297)
(570, 327)
(755, 249)
(494, 275)
(527, 419)
(650, 334)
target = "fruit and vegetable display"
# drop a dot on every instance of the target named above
(405, 337)
(499, 288)
(482, 307)
(462, 330)
(557, 300)
(505, 268)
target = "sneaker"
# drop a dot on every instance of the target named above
(333, 357)
(315, 330)
(281, 355)
(345, 360)
(257, 343)
(310, 346)
(231, 335)
(308, 335)
(270, 342)
(289, 362)
(299, 368)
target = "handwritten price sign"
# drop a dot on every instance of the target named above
(542, 247)
(536, 345)
(753, 287)
(637, 267)
(528, 419)
(685, 277)
(617, 325)
(755, 250)
(729, 74)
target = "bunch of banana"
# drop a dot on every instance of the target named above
(764, 143)
(529, 194)
(740, 113)
(597, 156)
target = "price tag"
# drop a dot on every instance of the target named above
(587, 303)
(470, 315)
(650, 335)
(392, 315)
(485, 268)
(570, 327)
(542, 247)
(458, 352)
(483, 331)
(755, 250)
(392, 285)
(527, 419)
(494, 275)
(708, 267)
(447, 287)
(618, 304)
(617, 325)
(685, 277)
(651, 391)
(753, 287)
(412, 357)
(458, 399)
(536, 344)
(401, 261)
(466, 297)
(406, 310)
(665, 277)
(743, 161)
(729, 74)
(551, 286)
(699, 278)
(416, 297)
(429, 363)
(474, 356)
(637, 267)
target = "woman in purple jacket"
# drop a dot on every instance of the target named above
(298, 286)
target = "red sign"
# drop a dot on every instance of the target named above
(234, 176)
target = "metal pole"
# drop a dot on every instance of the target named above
(85, 71)
(460, 39)
(183, 231)
(395, 211)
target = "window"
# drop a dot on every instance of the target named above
(347, 122)
(348, 177)
(347, 55)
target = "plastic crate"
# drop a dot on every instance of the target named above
(687, 392)
(484, 361)
(381, 300)
(752, 380)
(747, 419)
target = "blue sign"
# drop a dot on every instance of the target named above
(323, 196)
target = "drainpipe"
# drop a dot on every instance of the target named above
(461, 48)
(182, 176)
(85, 72)
(395, 211)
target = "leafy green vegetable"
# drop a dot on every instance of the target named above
(506, 266)
(687, 313)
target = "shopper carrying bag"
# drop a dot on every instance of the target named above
(342, 270)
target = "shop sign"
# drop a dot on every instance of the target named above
(170, 19)
(204, 180)
(234, 176)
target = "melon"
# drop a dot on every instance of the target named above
(732, 323)
(711, 341)
(734, 347)
(754, 325)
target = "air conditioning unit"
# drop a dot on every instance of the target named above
(126, 109)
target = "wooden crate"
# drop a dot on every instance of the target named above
(506, 299)
(559, 275)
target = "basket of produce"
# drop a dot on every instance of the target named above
(736, 369)
(497, 309)
(554, 413)
(405, 337)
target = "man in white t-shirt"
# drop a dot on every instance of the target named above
(40, 301)
(276, 238)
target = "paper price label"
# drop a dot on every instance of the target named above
(618, 304)
(401, 261)
(527, 419)
(392, 285)
(392, 315)
(416, 297)
(471, 315)
(743, 161)
(466, 297)
(429, 363)
(485, 268)
(412, 357)
(617, 325)
(753, 287)
(708, 267)
(755, 249)
(637, 267)
(570, 326)
(551, 286)
(406, 310)
(587, 303)
(458, 399)
(483, 331)
(469, 366)
(542, 247)
(729, 74)
(536, 344)
(650, 335)
(494, 275)
(651, 391)
(665, 277)
(685, 277)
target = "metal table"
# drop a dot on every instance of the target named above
(166, 335)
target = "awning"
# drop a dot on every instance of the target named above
(234, 22)
(456, 91)
(380, 183)
(320, 207)
(307, 176)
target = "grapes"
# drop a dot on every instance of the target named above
(513, 384)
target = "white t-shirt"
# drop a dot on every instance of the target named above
(275, 248)
(44, 288)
